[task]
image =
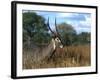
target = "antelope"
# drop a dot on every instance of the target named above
(40, 53)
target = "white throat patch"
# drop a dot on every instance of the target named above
(61, 46)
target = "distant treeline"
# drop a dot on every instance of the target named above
(35, 31)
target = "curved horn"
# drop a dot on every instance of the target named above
(59, 36)
(49, 27)
(56, 28)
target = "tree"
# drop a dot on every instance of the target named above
(84, 38)
(67, 33)
(34, 29)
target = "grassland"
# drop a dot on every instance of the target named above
(69, 56)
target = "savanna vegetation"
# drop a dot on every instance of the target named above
(76, 50)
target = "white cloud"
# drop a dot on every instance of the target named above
(87, 22)
(63, 15)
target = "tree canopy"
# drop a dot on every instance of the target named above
(35, 29)
(70, 37)
(67, 33)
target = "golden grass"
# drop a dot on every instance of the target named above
(69, 56)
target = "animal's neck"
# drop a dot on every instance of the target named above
(54, 44)
(49, 50)
(51, 46)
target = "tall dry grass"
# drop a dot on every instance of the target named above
(69, 56)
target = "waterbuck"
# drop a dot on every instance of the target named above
(40, 52)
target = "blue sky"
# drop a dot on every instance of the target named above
(80, 21)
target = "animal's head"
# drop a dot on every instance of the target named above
(58, 42)
(56, 38)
